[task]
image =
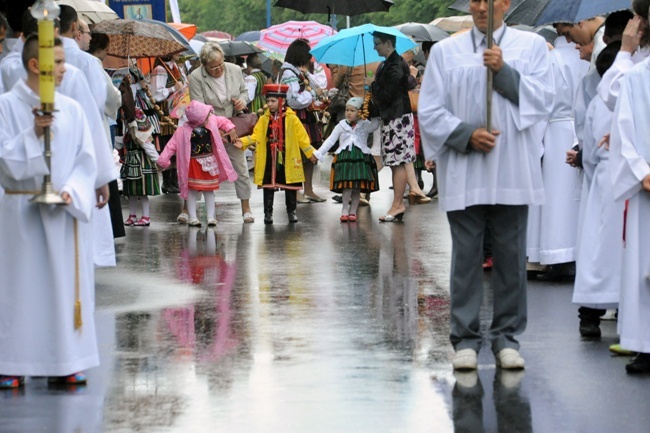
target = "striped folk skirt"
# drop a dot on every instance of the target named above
(139, 174)
(353, 169)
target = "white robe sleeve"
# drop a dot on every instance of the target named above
(96, 81)
(437, 123)
(536, 89)
(610, 84)
(75, 86)
(629, 168)
(21, 157)
(318, 79)
(80, 183)
(251, 86)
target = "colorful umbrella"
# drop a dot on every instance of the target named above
(340, 7)
(137, 39)
(355, 46)
(278, 38)
(541, 12)
(187, 30)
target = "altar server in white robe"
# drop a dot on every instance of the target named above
(630, 155)
(561, 182)
(44, 248)
(487, 176)
(600, 230)
(75, 86)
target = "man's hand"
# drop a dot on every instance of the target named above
(646, 183)
(572, 157)
(178, 86)
(483, 141)
(41, 121)
(604, 141)
(66, 197)
(632, 35)
(429, 165)
(493, 58)
(313, 159)
(102, 194)
(239, 104)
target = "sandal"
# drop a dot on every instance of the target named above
(344, 218)
(73, 379)
(212, 222)
(183, 218)
(130, 221)
(248, 218)
(194, 223)
(11, 382)
(143, 222)
(352, 218)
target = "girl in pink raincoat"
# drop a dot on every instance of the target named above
(202, 162)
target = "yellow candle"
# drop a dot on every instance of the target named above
(46, 63)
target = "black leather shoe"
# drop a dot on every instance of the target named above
(639, 364)
(169, 189)
(338, 198)
(556, 273)
(590, 328)
(268, 218)
(432, 192)
(293, 218)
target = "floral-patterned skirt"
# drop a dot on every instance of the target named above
(398, 141)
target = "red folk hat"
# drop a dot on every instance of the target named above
(275, 90)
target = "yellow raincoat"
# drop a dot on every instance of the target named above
(295, 140)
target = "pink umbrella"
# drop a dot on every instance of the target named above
(218, 34)
(278, 38)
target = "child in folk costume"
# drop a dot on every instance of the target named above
(354, 170)
(138, 173)
(279, 136)
(202, 159)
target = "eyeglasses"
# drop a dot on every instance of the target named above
(216, 67)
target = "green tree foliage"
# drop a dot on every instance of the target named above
(238, 16)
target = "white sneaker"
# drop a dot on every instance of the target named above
(509, 359)
(465, 359)
(194, 223)
(212, 222)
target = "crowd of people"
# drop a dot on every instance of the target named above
(538, 187)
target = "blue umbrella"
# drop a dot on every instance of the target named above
(540, 12)
(252, 36)
(355, 46)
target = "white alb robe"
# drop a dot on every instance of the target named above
(453, 91)
(561, 181)
(92, 70)
(610, 85)
(37, 252)
(75, 86)
(600, 233)
(629, 157)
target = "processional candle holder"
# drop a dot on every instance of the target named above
(46, 11)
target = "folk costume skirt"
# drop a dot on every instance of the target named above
(139, 174)
(353, 169)
(203, 174)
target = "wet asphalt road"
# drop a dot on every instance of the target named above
(317, 327)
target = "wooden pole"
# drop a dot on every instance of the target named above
(490, 75)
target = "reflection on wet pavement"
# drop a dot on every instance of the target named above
(315, 327)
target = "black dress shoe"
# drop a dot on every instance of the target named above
(590, 328)
(639, 364)
(170, 189)
(556, 273)
(293, 218)
(432, 192)
(338, 198)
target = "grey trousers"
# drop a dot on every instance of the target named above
(238, 160)
(508, 224)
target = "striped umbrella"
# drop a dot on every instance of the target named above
(278, 38)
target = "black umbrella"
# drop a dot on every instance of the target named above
(423, 32)
(252, 36)
(238, 48)
(541, 12)
(339, 7)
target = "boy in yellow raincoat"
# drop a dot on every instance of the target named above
(279, 138)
